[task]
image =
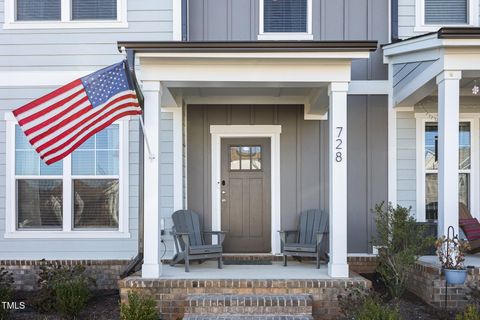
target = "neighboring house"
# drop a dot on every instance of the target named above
(247, 119)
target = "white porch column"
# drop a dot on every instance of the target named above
(448, 118)
(152, 267)
(337, 117)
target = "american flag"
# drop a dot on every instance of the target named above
(59, 122)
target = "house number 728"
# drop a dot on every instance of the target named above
(339, 145)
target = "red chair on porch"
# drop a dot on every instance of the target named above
(470, 226)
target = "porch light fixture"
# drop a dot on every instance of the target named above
(475, 89)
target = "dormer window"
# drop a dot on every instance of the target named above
(434, 14)
(285, 20)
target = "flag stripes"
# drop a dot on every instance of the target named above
(59, 122)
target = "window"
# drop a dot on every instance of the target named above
(431, 166)
(65, 13)
(82, 194)
(36, 10)
(245, 158)
(433, 14)
(285, 20)
(440, 12)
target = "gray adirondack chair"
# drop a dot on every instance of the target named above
(189, 240)
(311, 238)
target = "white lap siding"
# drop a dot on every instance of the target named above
(406, 160)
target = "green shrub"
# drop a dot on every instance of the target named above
(470, 313)
(373, 309)
(6, 282)
(400, 240)
(138, 308)
(53, 279)
(362, 304)
(71, 297)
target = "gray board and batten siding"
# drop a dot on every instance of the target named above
(304, 159)
(71, 50)
(237, 20)
(230, 20)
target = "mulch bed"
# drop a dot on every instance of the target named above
(410, 306)
(104, 305)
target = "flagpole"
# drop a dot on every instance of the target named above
(151, 156)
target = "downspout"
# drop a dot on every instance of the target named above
(394, 21)
(136, 263)
(184, 20)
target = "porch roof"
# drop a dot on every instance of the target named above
(247, 46)
(416, 62)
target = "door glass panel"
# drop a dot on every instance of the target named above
(234, 158)
(245, 158)
(256, 158)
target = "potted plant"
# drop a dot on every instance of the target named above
(451, 253)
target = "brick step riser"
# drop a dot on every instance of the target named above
(246, 317)
(250, 310)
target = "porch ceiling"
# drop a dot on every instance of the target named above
(415, 63)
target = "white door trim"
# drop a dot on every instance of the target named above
(264, 131)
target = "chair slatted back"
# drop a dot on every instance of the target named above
(187, 221)
(311, 222)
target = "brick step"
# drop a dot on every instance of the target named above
(249, 304)
(247, 317)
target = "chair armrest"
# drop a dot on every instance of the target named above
(184, 236)
(284, 235)
(320, 236)
(288, 231)
(220, 235)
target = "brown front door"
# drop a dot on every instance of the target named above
(245, 197)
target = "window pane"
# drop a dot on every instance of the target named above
(285, 16)
(431, 193)
(83, 162)
(96, 203)
(464, 146)
(431, 196)
(35, 10)
(234, 158)
(107, 163)
(88, 145)
(26, 163)
(464, 188)
(256, 158)
(108, 138)
(245, 158)
(431, 145)
(444, 12)
(94, 9)
(39, 204)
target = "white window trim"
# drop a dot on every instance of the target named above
(474, 120)
(65, 22)
(265, 131)
(420, 25)
(68, 232)
(262, 35)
